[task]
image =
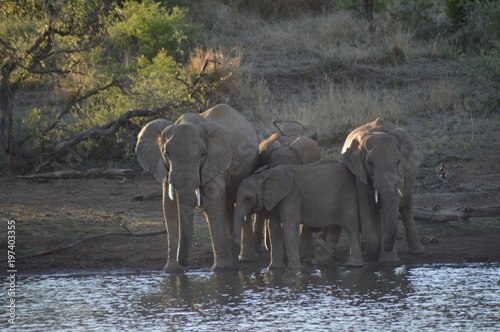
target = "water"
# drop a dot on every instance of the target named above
(419, 298)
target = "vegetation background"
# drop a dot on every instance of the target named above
(79, 78)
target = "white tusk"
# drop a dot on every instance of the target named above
(170, 191)
(376, 196)
(400, 193)
(198, 196)
(245, 218)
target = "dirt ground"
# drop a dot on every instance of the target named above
(53, 213)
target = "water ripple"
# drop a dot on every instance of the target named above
(424, 298)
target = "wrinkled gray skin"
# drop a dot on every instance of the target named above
(385, 161)
(321, 194)
(283, 150)
(212, 152)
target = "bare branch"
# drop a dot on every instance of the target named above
(78, 100)
(108, 129)
(7, 46)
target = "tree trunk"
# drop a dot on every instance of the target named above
(6, 96)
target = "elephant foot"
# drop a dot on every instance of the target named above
(354, 262)
(416, 249)
(249, 256)
(173, 267)
(276, 266)
(389, 258)
(222, 267)
(294, 267)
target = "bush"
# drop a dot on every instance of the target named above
(479, 26)
(146, 28)
(484, 74)
(455, 10)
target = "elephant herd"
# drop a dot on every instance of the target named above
(213, 161)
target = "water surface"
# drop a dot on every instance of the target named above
(418, 298)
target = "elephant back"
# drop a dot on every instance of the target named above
(364, 132)
(244, 142)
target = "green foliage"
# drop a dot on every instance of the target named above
(484, 74)
(279, 8)
(146, 28)
(479, 26)
(456, 11)
(410, 12)
(115, 59)
(360, 5)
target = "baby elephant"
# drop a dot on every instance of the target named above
(321, 194)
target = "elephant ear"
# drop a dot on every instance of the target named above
(148, 148)
(353, 158)
(219, 151)
(409, 153)
(277, 186)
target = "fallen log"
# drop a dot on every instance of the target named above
(128, 233)
(461, 214)
(90, 173)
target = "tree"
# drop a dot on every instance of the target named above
(36, 38)
(119, 63)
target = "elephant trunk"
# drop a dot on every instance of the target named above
(186, 228)
(390, 212)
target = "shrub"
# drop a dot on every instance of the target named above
(484, 74)
(479, 27)
(146, 28)
(456, 11)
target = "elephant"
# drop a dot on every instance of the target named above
(321, 194)
(283, 150)
(385, 161)
(206, 154)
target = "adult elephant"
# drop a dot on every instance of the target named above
(385, 161)
(207, 154)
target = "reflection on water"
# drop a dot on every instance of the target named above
(444, 297)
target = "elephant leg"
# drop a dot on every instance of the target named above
(328, 245)
(258, 229)
(388, 258)
(248, 252)
(289, 218)
(290, 233)
(356, 255)
(276, 235)
(406, 211)
(306, 242)
(218, 217)
(171, 214)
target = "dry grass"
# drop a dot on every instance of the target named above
(279, 58)
(335, 111)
